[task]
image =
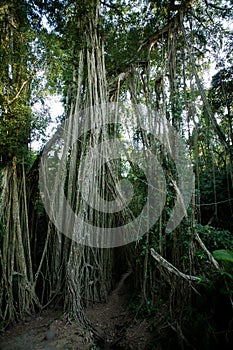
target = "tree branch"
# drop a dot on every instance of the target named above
(112, 7)
(152, 40)
(171, 268)
(210, 256)
(216, 7)
(18, 93)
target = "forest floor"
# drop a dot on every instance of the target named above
(113, 322)
(51, 331)
(47, 331)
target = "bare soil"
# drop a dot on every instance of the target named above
(47, 331)
(51, 331)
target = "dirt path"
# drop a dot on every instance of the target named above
(50, 331)
(112, 321)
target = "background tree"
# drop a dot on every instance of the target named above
(17, 290)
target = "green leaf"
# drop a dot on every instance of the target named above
(223, 255)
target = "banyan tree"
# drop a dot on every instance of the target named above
(118, 187)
